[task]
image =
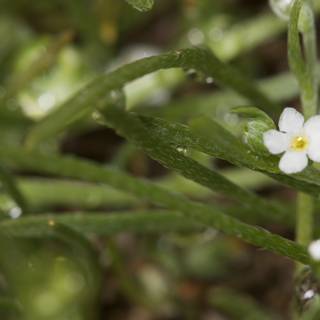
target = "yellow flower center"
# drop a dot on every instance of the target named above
(299, 143)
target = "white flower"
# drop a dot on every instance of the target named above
(298, 140)
(314, 250)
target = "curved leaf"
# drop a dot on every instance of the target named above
(92, 96)
(197, 212)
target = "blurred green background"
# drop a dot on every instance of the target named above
(48, 50)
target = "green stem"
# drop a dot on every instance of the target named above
(304, 224)
(309, 94)
(309, 97)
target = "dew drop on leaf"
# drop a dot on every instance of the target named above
(182, 150)
(209, 80)
(195, 36)
(15, 212)
(195, 75)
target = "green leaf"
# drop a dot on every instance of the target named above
(141, 5)
(295, 55)
(9, 183)
(37, 67)
(254, 113)
(282, 87)
(132, 127)
(44, 193)
(257, 124)
(206, 215)
(101, 223)
(207, 136)
(243, 307)
(303, 61)
(92, 96)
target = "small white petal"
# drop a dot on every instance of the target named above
(293, 162)
(314, 147)
(314, 250)
(275, 141)
(291, 121)
(312, 126)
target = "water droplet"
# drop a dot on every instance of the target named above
(182, 150)
(46, 101)
(209, 80)
(15, 212)
(117, 98)
(195, 36)
(51, 223)
(231, 119)
(96, 116)
(178, 53)
(195, 75)
(281, 8)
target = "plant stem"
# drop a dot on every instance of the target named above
(309, 98)
(309, 92)
(304, 224)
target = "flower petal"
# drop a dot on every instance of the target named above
(291, 121)
(312, 126)
(314, 147)
(293, 162)
(275, 141)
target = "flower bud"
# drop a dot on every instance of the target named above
(253, 135)
(258, 122)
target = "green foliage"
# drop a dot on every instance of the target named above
(141, 5)
(190, 110)
(84, 102)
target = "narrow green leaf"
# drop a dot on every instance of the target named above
(43, 194)
(282, 87)
(141, 5)
(92, 96)
(243, 307)
(103, 223)
(207, 136)
(303, 61)
(295, 55)
(10, 185)
(131, 127)
(199, 213)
